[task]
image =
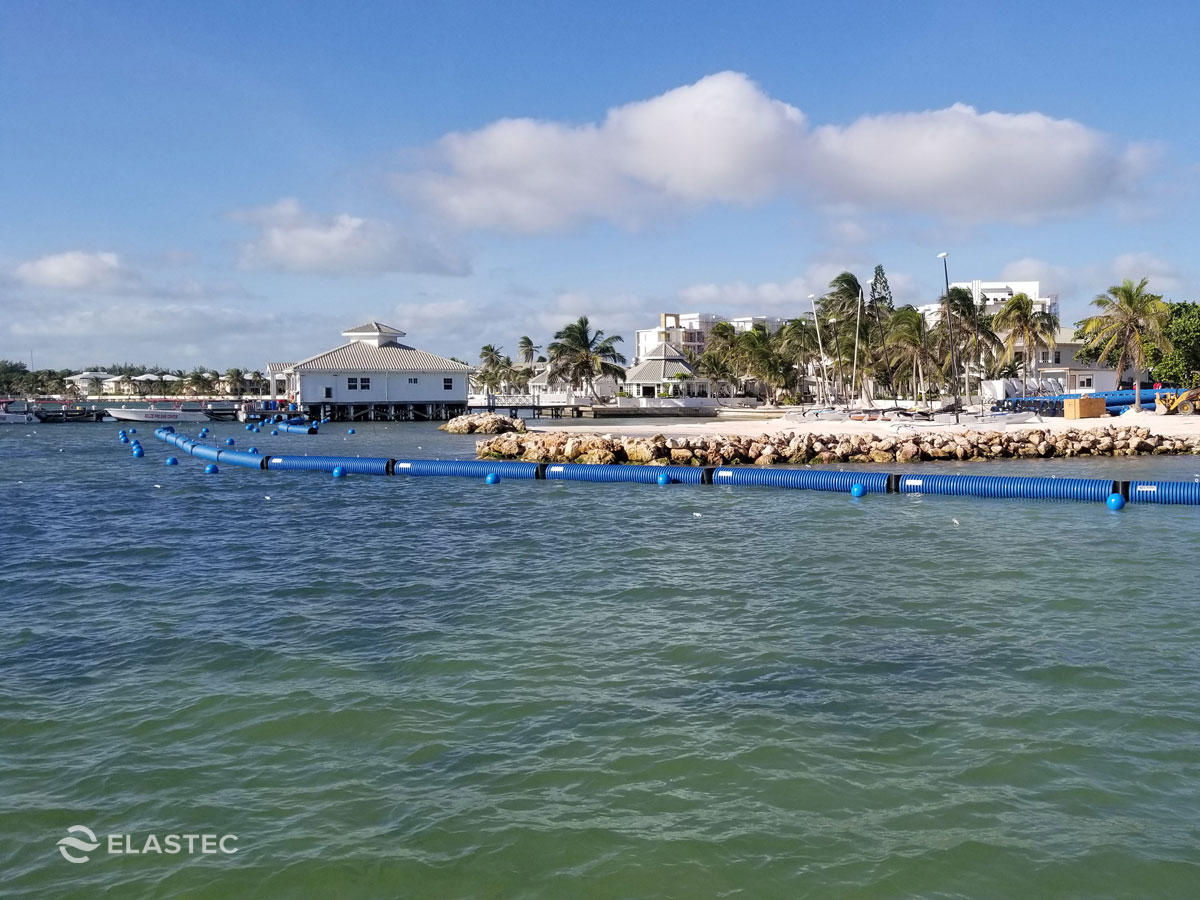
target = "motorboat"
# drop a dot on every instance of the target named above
(158, 415)
(15, 418)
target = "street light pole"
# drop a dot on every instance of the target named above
(950, 327)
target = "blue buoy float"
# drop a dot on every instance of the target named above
(252, 450)
(274, 433)
(138, 452)
(211, 469)
(1115, 502)
(664, 478)
(338, 472)
(349, 431)
(857, 490)
(171, 461)
(492, 478)
(133, 431)
(228, 442)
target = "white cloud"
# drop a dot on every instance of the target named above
(1163, 275)
(723, 140)
(296, 241)
(78, 270)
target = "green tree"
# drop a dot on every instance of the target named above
(527, 349)
(233, 382)
(1130, 322)
(1027, 326)
(1181, 364)
(579, 355)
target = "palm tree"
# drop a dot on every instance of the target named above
(491, 357)
(527, 349)
(579, 355)
(1129, 319)
(908, 340)
(973, 332)
(199, 382)
(233, 381)
(798, 344)
(716, 367)
(1031, 328)
(760, 353)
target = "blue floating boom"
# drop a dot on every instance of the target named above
(1093, 490)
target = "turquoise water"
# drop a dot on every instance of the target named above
(432, 688)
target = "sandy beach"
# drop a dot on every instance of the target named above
(1167, 426)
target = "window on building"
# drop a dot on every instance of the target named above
(1045, 356)
(1085, 381)
(412, 381)
(448, 384)
(352, 384)
(1058, 357)
(364, 384)
(328, 393)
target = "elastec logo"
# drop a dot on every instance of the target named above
(67, 844)
(131, 845)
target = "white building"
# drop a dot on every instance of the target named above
(374, 368)
(993, 295)
(689, 331)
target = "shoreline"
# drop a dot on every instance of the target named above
(788, 442)
(1174, 426)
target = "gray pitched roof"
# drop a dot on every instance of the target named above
(656, 371)
(359, 356)
(374, 328)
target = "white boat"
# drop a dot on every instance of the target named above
(161, 416)
(11, 418)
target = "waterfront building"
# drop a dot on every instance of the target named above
(373, 372)
(664, 371)
(689, 331)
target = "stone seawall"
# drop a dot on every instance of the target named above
(765, 450)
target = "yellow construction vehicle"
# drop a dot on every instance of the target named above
(1186, 403)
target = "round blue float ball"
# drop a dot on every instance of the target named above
(123, 439)
(492, 478)
(133, 431)
(338, 472)
(349, 431)
(171, 461)
(1115, 502)
(211, 469)
(664, 478)
(256, 429)
(248, 426)
(138, 452)
(274, 433)
(228, 442)
(252, 450)
(857, 490)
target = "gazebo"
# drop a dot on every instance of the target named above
(665, 371)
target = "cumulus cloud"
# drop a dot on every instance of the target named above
(294, 240)
(79, 270)
(723, 140)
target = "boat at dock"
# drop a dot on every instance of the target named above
(15, 418)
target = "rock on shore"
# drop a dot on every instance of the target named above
(765, 450)
(483, 423)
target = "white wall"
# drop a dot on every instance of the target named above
(385, 388)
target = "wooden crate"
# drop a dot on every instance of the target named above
(1084, 407)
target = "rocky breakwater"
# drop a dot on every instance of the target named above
(483, 423)
(765, 450)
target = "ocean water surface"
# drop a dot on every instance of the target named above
(435, 688)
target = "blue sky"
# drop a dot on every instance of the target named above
(231, 184)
